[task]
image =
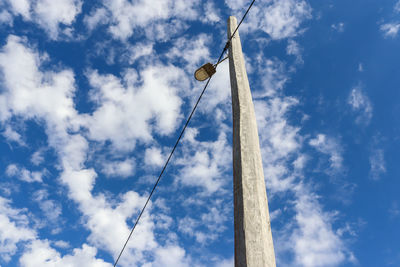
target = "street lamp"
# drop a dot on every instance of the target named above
(205, 72)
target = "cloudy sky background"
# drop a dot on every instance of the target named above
(94, 93)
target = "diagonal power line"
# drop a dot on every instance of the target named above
(163, 169)
(180, 136)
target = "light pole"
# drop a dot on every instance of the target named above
(253, 238)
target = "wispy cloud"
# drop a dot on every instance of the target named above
(11, 135)
(339, 27)
(377, 163)
(119, 168)
(360, 67)
(361, 105)
(275, 76)
(52, 210)
(390, 30)
(37, 157)
(331, 147)
(23, 174)
(293, 48)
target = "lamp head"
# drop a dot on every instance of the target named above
(204, 72)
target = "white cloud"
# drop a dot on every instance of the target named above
(122, 169)
(37, 158)
(360, 67)
(61, 244)
(236, 4)
(274, 74)
(278, 140)
(144, 12)
(21, 7)
(163, 221)
(339, 27)
(14, 228)
(279, 18)
(377, 163)
(361, 104)
(140, 50)
(294, 49)
(201, 172)
(315, 242)
(390, 29)
(32, 93)
(273, 215)
(12, 135)
(6, 18)
(51, 14)
(331, 147)
(226, 263)
(48, 14)
(4, 111)
(51, 209)
(203, 163)
(211, 13)
(206, 226)
(154, 157)
(193, 51)
(169, 256)
(127, 113)
(300, 162)
(164, 31)
(23, 174)
(98, 17)
(106, 222)
(40, 253)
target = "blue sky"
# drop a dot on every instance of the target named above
(94, 93)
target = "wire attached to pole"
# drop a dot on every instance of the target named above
(180, 137)
(228, 43)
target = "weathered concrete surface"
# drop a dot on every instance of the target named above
(253, 238)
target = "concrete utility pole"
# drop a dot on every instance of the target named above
(253, 238)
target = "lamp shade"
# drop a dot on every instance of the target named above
(204, 72)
